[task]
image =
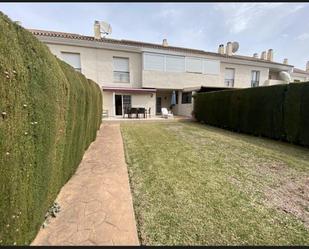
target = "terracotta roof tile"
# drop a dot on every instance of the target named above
(143, 44)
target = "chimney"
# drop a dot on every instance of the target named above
(307, 66)
(221, 49)
(96, 28)
(164, 43)
(270, 55)
(285, 61)
(263, 55)
(229, 48)
(255, 55)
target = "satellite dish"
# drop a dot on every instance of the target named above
(105, 28)
(235, 46)
(285, 76)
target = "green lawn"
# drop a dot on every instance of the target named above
(194, 184)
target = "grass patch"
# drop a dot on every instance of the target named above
(198, 185)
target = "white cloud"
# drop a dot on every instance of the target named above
(303, 37)
(240, 17)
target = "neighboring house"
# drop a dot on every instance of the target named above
(299, 75)
(141, 74)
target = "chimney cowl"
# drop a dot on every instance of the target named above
(285, 61)
(96, 29)
(229, 48)
(255, 55)
(221, 49)
(263, 55)
(270, 55)
(164, 43)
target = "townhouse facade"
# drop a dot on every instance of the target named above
(140, 74)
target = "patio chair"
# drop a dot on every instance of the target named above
(166, 113)
(148, 113)
(141, 110)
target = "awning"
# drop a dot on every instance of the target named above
(128, 89)
(190, 89)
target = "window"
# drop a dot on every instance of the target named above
(296, 81)
(73, 59)
(121, 70)
(126, 101)
(186, 98)
(154, 62)
(211, 67)
(229, 77)
(255, 78)
(175, 63)
(176, 93)
(194, 65)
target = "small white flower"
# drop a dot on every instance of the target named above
(8, 153)
(26, 133)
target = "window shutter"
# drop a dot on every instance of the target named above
(194, 65)
(154, 62)
(229, 73)
(121, 64)
(211, 67)
(72, 59)
(175, 63)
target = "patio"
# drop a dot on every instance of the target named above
(152, 118)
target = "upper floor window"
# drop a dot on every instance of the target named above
(229, 77)
(194, 65)
(155, 62)
(255, 78)
(121, 70)
(180, 64)
(186, 98)
(72, 59)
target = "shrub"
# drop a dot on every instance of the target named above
(278, 112)
(49, 116)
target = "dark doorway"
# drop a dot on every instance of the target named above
(118, 104)
(158, 105)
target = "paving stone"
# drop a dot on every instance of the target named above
(96, 203)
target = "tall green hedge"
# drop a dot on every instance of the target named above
(278, 112)
(49, 114)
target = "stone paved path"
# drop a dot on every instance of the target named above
(96, 203)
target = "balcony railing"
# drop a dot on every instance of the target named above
(229, 82)
(254, 83)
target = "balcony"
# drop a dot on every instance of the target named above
(274, 82)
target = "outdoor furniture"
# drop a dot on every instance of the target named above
(126, 111)
(133, 110)
(105, 114)
(142, 110)
(166, 113)
(148, 112)
(136, 111)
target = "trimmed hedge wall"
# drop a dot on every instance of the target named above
(49, 114)
(278, 112)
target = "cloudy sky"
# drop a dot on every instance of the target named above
(284, 27)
